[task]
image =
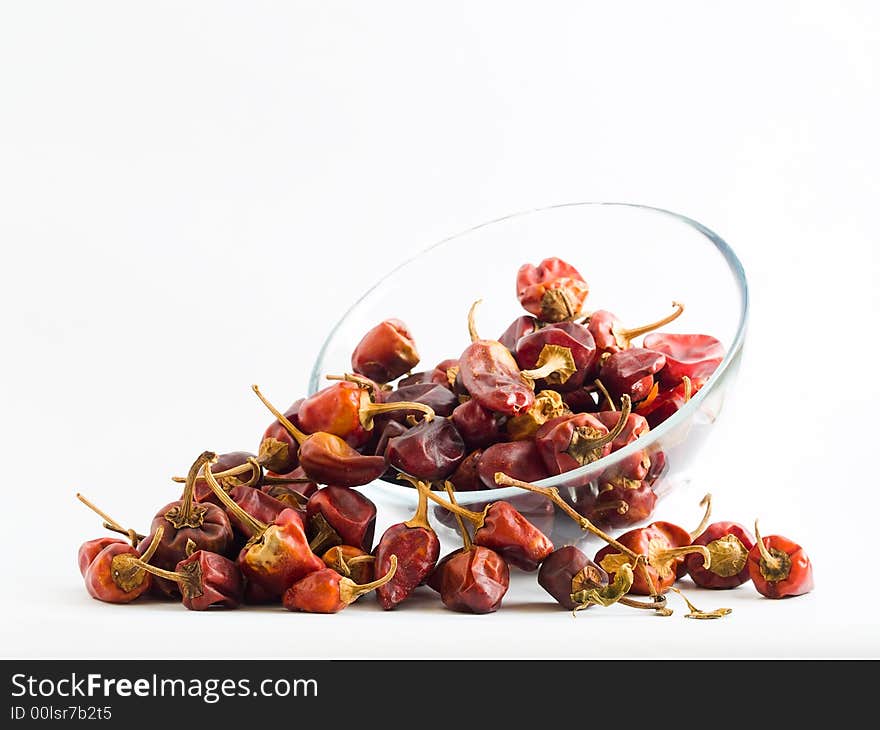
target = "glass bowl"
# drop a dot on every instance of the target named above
(636, 260)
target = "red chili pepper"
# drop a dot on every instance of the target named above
(438, 397)
(553, 290)
(325, 591)
(611, 336)
(90, 549)
(491, 376)
(256, 503)
(520, 327)
(520, 459)
(728, 544)
(350, 514)
(295, 480)
(205, 579)
(244, 468)
(692, 356)
(417, 547)
(347, 409)
(185, 520)
(635, 467)
(631, 372)
(466, 476)
(278, 448)
(431, 450)
(660, 405)
(567, 442)
(566, 571)
(277, 554)
(386, 352)
(113, 575)
(559, 356)
(618, 503)
(326, 458)
(350, 562)
(547, 406)
(779, 567)
(477, 426)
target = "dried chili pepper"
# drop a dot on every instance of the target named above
(113, 575)
(431, 450)
(328, 459)
(347, 409)
(660, 405)
(617, 503)
(417, 547)
(491, 376)
(567, 442)
(466, 478)
(386, 352)
(477, 426)
(439, 398)
(635, 467)
(350, 562)
(631, 372)
(277, 554)
(728, 544)
(205, 579)
(779, 567)
(520, 327)
(520, 459)
(502, 528)
(89, 550)
(692, 356)
(256, 503)
(185, 520)
(348, 512)
(326, 591)
(553, 290)
(548, 405)
(566, 571)
(611, 336)
(559, 356)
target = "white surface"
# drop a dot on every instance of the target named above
(191, 194)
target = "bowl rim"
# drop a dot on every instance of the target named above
(671, 423)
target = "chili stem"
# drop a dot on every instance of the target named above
(604, 391)
(282, 419)
(248, 519)
(465, 535)
(471, 320)
(633, 332)
(707, 503)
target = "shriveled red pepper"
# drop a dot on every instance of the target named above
(520, 327)
(611, 336)
(114, 576)
(431, 450)
(548, 405)
(520, 459)
(417, 547)
(277, 554)
(553, 290)
(386, 352)
(328, 459)
(566, 571)
(326, 591)
(278, 449)
(635, 467)
(348, 512)
(617, 503)
(728, 544)
(779, 567)
(661, 404)
(185, 520)
(477, 426)
(568, 442)
(466, 477)
(89, 549)
(350, 562)
(438, 397)
(560, 356)
(205, 579)
(489, 373)
(631, 372)
(347, 409)
(256, 503)
(692, 356)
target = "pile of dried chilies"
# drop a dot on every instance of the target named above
(559, 389)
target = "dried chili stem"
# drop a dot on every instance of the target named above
(707, 503)
(472, 319)
(605, 394)
(349, 591)
(110, 523)
(282, 419)
(465, 535)
(246, 518)
(632, 332)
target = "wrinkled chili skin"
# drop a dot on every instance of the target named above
(490, 375)
(220, 584)
(385, 352)
(466, 476)
(336, 409)
(439, 397)
(431, 450)
(571, 335)
(601, 325)
(434, 580)
(513, 537)
(347, 511)
(800, 578)
(214, 535)
(552, 291)
(417, 550)
(518, 459)
(639, 541)
(202, 491)
(317, 592)
(708, 577)
(280, 557)
(327, 459)
(474, 581)
(602, 508)
(559, 569)
(694, 356)
(99, 576)
(631, 372)
(477, 426)
(287, 459)
(89, 550)
(554, 438)
(520, 327)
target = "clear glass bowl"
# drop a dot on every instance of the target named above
(636, 260)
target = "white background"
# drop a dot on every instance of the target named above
(192, 193)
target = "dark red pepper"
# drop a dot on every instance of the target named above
(417, 547)
(326, 591)
(566, 571)
(520, 327)
(431, 450)
(386, 352)
(520, 459)
(553, 290)
(779, 567)
(611, 336)
(477, 426)
(692, 356)
(256, 503)
(660, 405)
(631, 372)
(466, 478)
(558, 356)
(490, 375)
(439, 398)
(728, 544)
(348, 512)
